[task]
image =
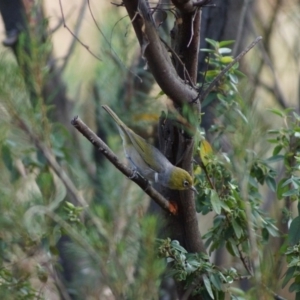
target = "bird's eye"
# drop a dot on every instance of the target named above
(186, 183)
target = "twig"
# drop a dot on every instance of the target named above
(71, 32)
(247, 267)
(192, 27)
(240, 26)
(186, 73)
(109, 43)
(254, 253)
(106, 151)
(76, 31)
(266, 58)
(222, 73)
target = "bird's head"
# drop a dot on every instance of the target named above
(180, 180)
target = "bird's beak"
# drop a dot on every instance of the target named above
(194, 189)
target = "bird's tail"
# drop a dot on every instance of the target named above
(113, 115)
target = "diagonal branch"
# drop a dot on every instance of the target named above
(106, 151)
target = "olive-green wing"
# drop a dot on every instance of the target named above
(152, 156)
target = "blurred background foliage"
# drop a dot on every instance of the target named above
(72, 227)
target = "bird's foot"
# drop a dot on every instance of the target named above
(148, 186)
(134, 174)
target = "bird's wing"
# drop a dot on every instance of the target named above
(152, 156)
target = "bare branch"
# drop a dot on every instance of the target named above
(71, 32)
(76, 31)
(106, 151)
(241, 26)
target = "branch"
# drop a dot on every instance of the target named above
(156, 54)
(74, 35)
(76, 32)
(242, 20)
(135, 177)
(216, 81)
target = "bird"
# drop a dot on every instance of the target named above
(148, 161)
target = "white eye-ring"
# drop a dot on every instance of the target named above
(185, 183)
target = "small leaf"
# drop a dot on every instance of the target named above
(277, 112)
(175, 244)
(215, 202)
(234, 79)
(295, 287)
(294, 231)
(205, 151)
(224, 50)
(288, 276)
(7, 157)
(237, 229)
(275, 158)
(290, 193)
(161, 93)
(208, 286)
(281, 188)
(277, 149)
(215, 280)
(271, 183)
(212, 73)
(215, 44)
(226, 59)
(232, 248)
(226, 43)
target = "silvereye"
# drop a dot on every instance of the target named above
(149, 161)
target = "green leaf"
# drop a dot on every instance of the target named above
(288, 276)
(296, 116)
(290, 193)
(294, 232)
(295, 287)
(215, 202)
(161, 93)
(275, 158)
(272, 229)
(175, 244)
(7, 157)
(226, 43)
(215, 44)
(265, 234)
(277, 149)
(237, 229)
(277, 112)
(242, 115)
(281, 188)
(234, 79)
(239, 73)
(207, 50)
(208, 286)
(232, 248)
(226, 60)
(225, 50)
(271, 183)
(216, 281)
